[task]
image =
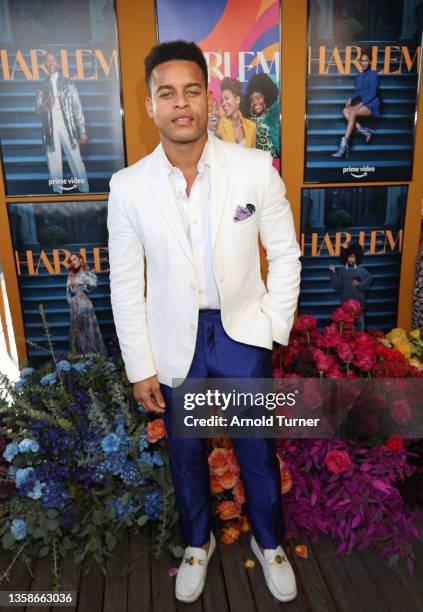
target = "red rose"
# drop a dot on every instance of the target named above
(345, 352)
(340, 315)
(401, 412)
(323, 361)
(365, 360)
(352, 307)
(305, 322)
(330, 338)
(337, 461)
(394, 444)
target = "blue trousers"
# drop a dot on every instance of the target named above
(218, 356)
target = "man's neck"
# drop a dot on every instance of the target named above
(185, 156)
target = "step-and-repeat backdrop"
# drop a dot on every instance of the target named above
(61, 133)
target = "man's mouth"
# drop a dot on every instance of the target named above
(183, 120)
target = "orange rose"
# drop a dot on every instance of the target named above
(230, 534)
(301, 550)
(244, 523)
(232, 461)
(227, 480)
(215, 487)
(155, 430)
(286, 480)
(239, 492)
(217, 461)
(228, 510)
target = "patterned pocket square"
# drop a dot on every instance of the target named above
(243, 212)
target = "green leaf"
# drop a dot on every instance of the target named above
(38, 533)
(8, 540)
(52, 524)
(393, 559)
(142, 520)
(52, 513)
(43, 552)
(176, 550)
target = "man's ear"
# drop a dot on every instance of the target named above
(149, 106)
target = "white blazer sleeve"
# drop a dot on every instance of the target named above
(126, 258)
(277, 233)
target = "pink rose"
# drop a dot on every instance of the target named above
(340, 315)
(352, 307)
(345, 352)
(401, 411)
(323, 361)
(305, 322)
(337, 461)
(365, 360)
(330, 338)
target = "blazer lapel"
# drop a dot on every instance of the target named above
(219, 185)
(166, 204)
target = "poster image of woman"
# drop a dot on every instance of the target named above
(262, 102)
(85, 335)
(363, 103)
(233, 126)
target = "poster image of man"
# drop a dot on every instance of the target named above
(62, 263)
(85, 335)
(63, 127)
(351, 245)
(363, 66)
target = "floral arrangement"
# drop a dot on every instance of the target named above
(80, 463)
(345, 488)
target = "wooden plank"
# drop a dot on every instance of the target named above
(214, 594)
(313, 591)
(139, 580)
(413, 584)
(91, 587)
(20, 577)
(70, 574)
(236, 578)
(394, 594)
(116, 585)
(339, 579)
(162, 585)
(42, 581)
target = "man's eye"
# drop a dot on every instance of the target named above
(165, 94)
(193, 92)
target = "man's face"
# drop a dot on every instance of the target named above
(51, 63)
(178, 101)
(351, 259)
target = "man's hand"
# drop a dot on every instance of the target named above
(147, 392)
(83, 138)
(332, 268)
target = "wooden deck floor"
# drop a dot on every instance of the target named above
(326, 582)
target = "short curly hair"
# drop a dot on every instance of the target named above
(232, 84)
(175, 50)
(263, 84)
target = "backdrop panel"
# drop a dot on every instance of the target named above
(44, 236)
(241, 41)
(339, 35)
(61, 131)
(334, 218)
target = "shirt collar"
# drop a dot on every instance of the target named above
(205, 159)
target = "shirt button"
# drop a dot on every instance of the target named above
(193, 326)
(195, 221)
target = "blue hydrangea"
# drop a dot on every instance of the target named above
(144, 443)
(11, 472)
(27, 445)
(27, 483)
(21, 383)
(23, 474)
(80, 367)
(121, 509)
(147, 459)
(48, 379)
(152, 503)
(63, 366)
(130, 474)
(18, 528)
(26, 372)
(110, 443)
(113, 463)
(157, 458)
(11, 450)
(54, 495)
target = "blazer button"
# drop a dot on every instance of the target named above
(193, 326)
(222, 278)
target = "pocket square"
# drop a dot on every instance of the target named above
(243, 212)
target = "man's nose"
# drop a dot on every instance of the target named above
(181, 101)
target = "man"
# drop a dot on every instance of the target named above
(63, 126)
(195, 208)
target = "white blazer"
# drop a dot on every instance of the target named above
(157, 334)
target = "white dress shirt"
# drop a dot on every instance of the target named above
(54, 78)
(195, 213)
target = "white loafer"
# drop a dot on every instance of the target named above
(278, 572)
(191, 576)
